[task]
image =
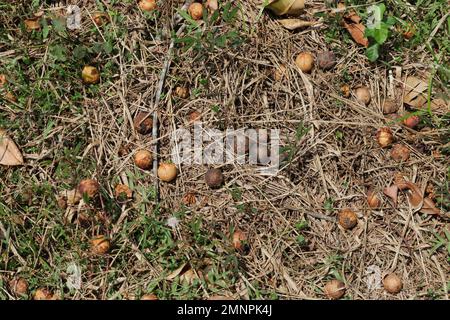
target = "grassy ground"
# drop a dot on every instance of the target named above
(68, 131)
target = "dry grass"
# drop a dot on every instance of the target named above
(334, 162)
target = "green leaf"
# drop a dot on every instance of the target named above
(260, 13)
(108, 47)
(59, 53)
(221, 41)
(301, 240)
(45, 29)
(188, 42)
(447, 234)
(301, 225)
(214, 17)
(229, 13)
(337, 275)
(382, 8)
(59, 25)
(448, 24)
(97, 47)
(48, 128)
(79, 52)
(380, 35)
(368, 32)
(188, 18)
(372, 52)
(215, 108)
(390, 21)
(301, 131)
(328, 205)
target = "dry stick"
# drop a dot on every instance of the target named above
(162, 79)
(399, 246)
(155, 118)
(312, 214)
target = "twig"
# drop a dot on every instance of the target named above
(405, 230)
(162, 78)
(312, 214)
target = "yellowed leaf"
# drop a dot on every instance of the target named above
(296, 7)
(293, 24)
(392, 192)
(189, 276)
(10, 154)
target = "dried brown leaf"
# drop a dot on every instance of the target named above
(189, 276)
(356, 30)
(2, 80)
(352, 22)
(415, 195)
(71, 197)
(353, 17)
(10, 154)
(400, 181)
(429, 207)
(32, 24)
(291, 283)
(392, 192)
(415, 92)
(176, 272)
(293, 24)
